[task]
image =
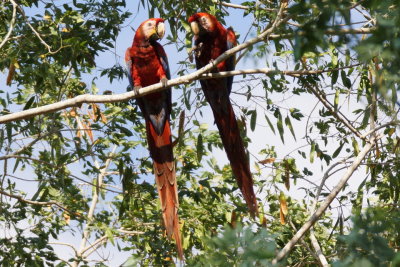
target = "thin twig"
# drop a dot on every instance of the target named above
(64, 244)
(12, 23)
(39, 203)
(336, 114)
(35, 31)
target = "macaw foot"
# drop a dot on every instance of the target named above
(136, 89)
(192, 52)
(198, 50)
(164, 82)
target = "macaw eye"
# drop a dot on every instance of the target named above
(149, 24)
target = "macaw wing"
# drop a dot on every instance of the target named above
(231, 61)
(164, 63)
(163, 59)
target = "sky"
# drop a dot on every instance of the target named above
(263, 137)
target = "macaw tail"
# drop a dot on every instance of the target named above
(164, 170)
(229, 131)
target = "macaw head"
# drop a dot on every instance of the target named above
(203, 23)
(150, 30)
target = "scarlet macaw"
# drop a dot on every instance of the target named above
(147, 64)
(211, 39)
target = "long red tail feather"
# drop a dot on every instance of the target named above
(164, 170)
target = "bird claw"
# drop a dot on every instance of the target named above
(136, 88)
(164, 82)
(195, 51)
(191, 53)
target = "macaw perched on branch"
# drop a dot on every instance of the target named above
(147, 64)
(211, 39)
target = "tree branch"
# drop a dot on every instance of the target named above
(12, 23)
(40, 137)
(328, 32)
(34, 30)
(79, 100)
(86, 231)
(314, 218)
(336, 114)
(243, 7)
(39, 203)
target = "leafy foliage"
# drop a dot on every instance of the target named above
(85, 172)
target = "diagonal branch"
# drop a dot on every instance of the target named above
(19, 151)
(335, 191)
(336, 114)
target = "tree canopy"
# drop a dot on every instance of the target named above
(316, 94)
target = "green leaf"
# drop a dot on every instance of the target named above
(312, 152)
(336, 100)
(346, 81)
(199, 147)
(279, 124)
(253, 120)
(337, 151)
(355, 146)
(289, 124)
(335, 75)
(270, 124)
(29, 103)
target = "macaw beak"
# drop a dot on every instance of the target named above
(160, 31)
(195, 27)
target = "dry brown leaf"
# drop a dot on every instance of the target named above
(89, 131)
(72, 113)
(11, 72)
(67, 218)
(281, 217)
(267, 161)
(103, 118)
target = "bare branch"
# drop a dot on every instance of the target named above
(318, 251)
(295, 73)
(243, 7)
(13, 155)
(314, 218)
(328, 32)
(12, 23)
(86, 231)
(64, 244)
(79, 100)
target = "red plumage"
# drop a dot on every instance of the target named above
(147, 64)
(211, 40)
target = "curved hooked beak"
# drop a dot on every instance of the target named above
(160, 30)
(195, 27)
